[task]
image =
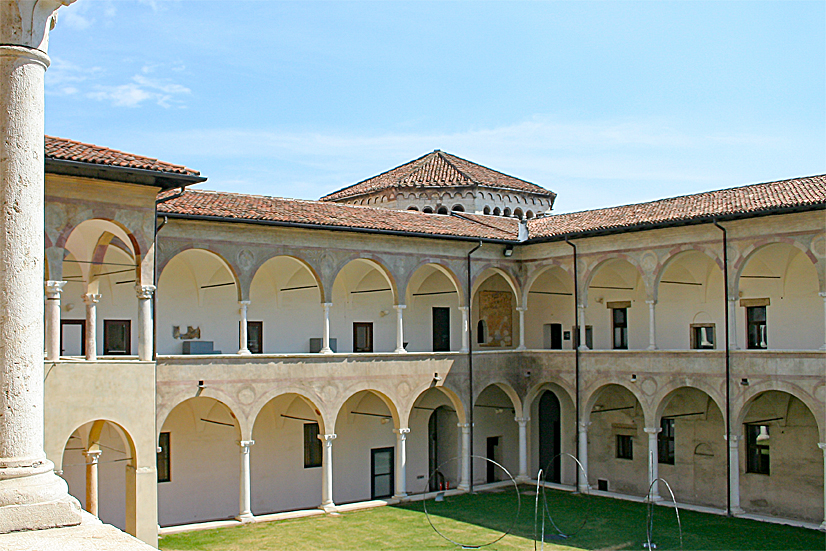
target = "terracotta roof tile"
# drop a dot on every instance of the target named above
(437, 169)
(275, 209)
(69, 150)
(797, 192)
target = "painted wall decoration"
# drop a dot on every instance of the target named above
(496, 311)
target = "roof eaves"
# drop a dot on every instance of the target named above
(159, 178)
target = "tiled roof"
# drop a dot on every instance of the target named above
(239, 207)
(437, 169)
(754, 199)
(69, 150)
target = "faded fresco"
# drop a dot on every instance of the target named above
(495, 309)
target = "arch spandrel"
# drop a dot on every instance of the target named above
(675, 255)
(233, 270)
(416, 394)
(310, 397)
(384, 396)
(607, 260)
(218, 395)
(377, 262)
(743, 402)
(590, 399)
(557, 386)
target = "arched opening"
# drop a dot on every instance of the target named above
(486, 210)
(496, 435)
(690, 298)
(617, 310)
(197, 305)
(497, 211)
(529, 214)
(549, 320)
(433, 443)
(284, 311)
(427, 210)
(494, 302)
(432, 321)
(552, 427)
(778, 286)
(362, 318)
(285, 462)
(458, 208)
(518, 213)
(200, 432)
(442, 210)
(413, 207)
(506, 212)
(617, 443)
(364, 465)
(781, 464)
(550, 436)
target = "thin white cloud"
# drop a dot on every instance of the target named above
(141, 90)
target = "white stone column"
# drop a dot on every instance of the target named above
(53, 290)
(91, 301)
(464, 481)
(31, 495)
(583, 487)
(521, 310)
(823, 295)
(145, 325)
(822, 446)
(242, 349)
(465, 329)
(581, 322)
(523, 447)
(652, 324)
(401, 462)
(734, 458)
(325, 345)
(92, 458)
(732, 323)
(399, 328)
(245, 490)
(327, 472)
(653, 461)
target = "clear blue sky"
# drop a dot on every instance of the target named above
(605, 103)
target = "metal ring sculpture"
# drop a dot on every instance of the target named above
(546, 510)
(464, 545)
(649, 525)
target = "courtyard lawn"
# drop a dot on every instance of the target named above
(609, 524)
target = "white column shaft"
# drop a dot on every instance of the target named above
(400, 328)
(464, 482)
(327, 471)
(91, 301)
(243, 349)
(92, 458)
(521, 310)
(653, 462)
(53, 290)
(583, 457)
(244, 488)
(652, 324)
(582, 342)
(523, 446)
(732, 324)
(822, 446)
(325, 345)
(465, 329)
(734, 458)
(145, 324)
(401, 462)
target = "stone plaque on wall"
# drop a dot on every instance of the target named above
(496, 311)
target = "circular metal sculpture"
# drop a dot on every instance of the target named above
(649, 525)
(441, 498)
(539, 528)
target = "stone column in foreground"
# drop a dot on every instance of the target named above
(145, 322)
(31, 495)
(523, 447)
(401, 462)
(245, 488)
(53, 290)
(327, 472)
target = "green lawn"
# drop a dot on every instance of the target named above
(609, 524)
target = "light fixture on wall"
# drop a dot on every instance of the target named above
(508, 251)
(744, 382)
(201, 387)
(436, 378)
(763, 437)
(633, 377)
(527, 374)
(384, 313)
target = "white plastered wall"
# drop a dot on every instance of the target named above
(418, 317)
(492, 422)
(617, 273)
(350, 306)
(549, 308)
(418, 441)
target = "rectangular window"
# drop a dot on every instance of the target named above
(362, 337)
(72, 337)
(441, 329)
(164, 471)
(757, 449)
(117, 337)
(665, 442)
(619, 317)
(255, 337)
(756, 327)
(312, 446)
(625, 446)
(589, 336)
(702, 336)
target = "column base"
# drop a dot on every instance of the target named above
(40, 516)
(656, 498)
(328, 507)
(822, 527)
(326, 351)
(652, 347)
(584, 489)
(35, 499)
(244, 352)
(400, 497)
(523, 478)
(400, 351)
(464, 350)
(246, 517)
(463, 487)
(736, 511)
(521, 347)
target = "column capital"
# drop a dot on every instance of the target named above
(92, 456)
(733, 439)
(651, 302)
(53, 289)
(328, 438)
(145, 292)
(580, 306)
(583, 426)
(521, 420)
(653, 430)
(521, 308)
(463, 426)
(37, 18)
(463, 308)
(91, 298)
(244, 302)
(822, 446)
(402, 431)
(399, 307)
(823, 294)
(326, 304)
(245, 444)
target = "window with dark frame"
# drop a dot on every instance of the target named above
(665, 442)
(619, 318)
(757, 449)
(756, 327)
(625, 446)
(481, 332)
(117, 337)
(312, 446)
(255, 337)
(362, 336)
(164, 470)
(702, 336)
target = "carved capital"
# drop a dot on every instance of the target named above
(144, 292)
(91, 298)
(92, 456)
(327, 438)
(245, 445)
(27, 23)
(653, 430)
(53, 289)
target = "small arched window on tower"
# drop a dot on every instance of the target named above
(428, 210)
(529, 214)
(442, 210)
(487, 210)
(507, 211)
(458, 208)
(518, 213)
(413, 207)
(481, 332)
(497, 211)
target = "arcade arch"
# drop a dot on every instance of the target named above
(616, 306)
(550, 313)
(495, 302)
(433, 321)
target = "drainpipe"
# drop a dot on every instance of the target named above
(576, 361)
(728, 367)
(469, 299)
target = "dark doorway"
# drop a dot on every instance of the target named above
(553, 336)
(117, 337)
(255, 337)
(441, 329)
(493, 454)
(381, 473)
(435, 480)
(72, 337)
(362, 337)
(549, 436)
